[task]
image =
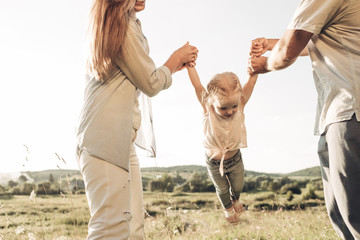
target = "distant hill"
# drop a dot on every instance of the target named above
(308, 172)
(39, 176)
(42, 176)
(181, 168)
(255, 174)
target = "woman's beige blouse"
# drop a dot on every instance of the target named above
(107, 117)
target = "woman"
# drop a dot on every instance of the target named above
(119, 69)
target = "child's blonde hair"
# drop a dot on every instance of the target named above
(221, 85)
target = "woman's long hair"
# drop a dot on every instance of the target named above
(109, 21)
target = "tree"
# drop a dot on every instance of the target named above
(165, 183)
(22, 179)
(51, 178)
(2, 189)
(76, 185)
(155, 185)
(178, 179)
(249, 185)
(198, 182)
(284, 180)
(12, 183)
(27, 188)
(44, 188)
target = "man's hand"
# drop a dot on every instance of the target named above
(257, 65)
(259, 46)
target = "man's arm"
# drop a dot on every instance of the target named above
(261, 45)
(284, 51)
(287, 49)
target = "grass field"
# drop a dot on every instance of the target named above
(170, 216)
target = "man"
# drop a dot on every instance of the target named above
(329, 31)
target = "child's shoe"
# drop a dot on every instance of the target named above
(238, 207)
(231, 217)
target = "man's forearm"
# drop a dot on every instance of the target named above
(287, 49)
(272, 43)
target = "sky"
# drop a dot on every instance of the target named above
(42, 63)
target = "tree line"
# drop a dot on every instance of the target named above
(169, 182)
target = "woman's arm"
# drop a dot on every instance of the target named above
(140, 69)
(199, 88)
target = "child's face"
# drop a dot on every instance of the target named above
(227, 106)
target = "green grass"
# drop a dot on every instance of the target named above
(44, 217)
(172, 216)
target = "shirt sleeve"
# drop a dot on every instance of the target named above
(313, 15)
(139, 68)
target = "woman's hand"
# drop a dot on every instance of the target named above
(187, 54)
(187, 65)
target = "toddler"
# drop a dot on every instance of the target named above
(223, 103)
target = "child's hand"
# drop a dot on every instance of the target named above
(187, 65)
(191, 64)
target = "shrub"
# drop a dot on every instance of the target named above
(264, 196)
(293, 187)
(249, 185)
(6, 196)
(179, 194)
(317, 183)
(289, 196)
(199, 182)
(274, 186)
(15, 191)
(309, 192)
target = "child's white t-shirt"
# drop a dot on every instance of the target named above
(224, 135)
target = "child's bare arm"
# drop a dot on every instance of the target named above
(195, 81)
(249, 87)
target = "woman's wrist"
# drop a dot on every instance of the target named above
(173, 62)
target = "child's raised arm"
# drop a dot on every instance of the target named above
(249, 87)
(199, 88)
